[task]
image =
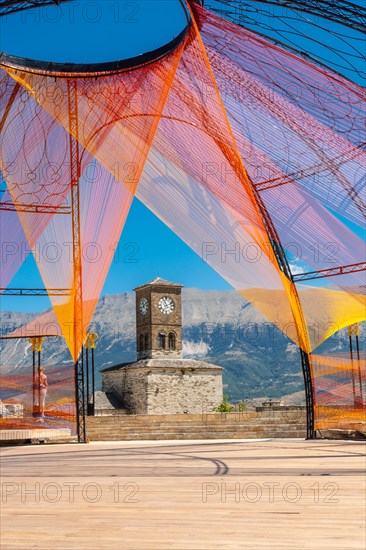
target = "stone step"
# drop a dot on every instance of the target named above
(191, 434)
(111, 413)
(227, 432)
(183, 427)
(199, 435)
(216, 418)
(223, 427)
(237, 425)
(224, 431)
(121, 422)
(194, 435)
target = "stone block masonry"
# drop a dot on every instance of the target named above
(286, 423)
(163, 386)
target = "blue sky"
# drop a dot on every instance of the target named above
(147, 248)
(85, 31)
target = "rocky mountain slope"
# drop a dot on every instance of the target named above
(218, 326)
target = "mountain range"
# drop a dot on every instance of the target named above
(218, 327)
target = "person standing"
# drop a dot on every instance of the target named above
(43, 387)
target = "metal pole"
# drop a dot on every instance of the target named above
(284, 266)
(76, 381)
(82, 373)
(87, 377)
(36, 342)
(77, 263)
(93, 381)
(359, 368)
(352, 370)
(39, 380)
(90, 343)
(309, 394)
(34, 381)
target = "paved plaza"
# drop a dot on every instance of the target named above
(191, 495)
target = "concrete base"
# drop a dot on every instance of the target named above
(29, 436)
(357, 435)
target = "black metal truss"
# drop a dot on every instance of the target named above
(11, 6)
(35, 292)
(309, 394)
(77, 263)
(294, 177)
(358, 401)
(84, 70)
(282, 261)
(80, 398)
(342, 12)
(34, 208)
(242, 12)
(331, 272)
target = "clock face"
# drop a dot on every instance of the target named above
(143, 306)
(166, 305)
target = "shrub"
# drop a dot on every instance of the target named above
(242, 406)
(224, 406)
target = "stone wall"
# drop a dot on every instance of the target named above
(177, 391)
(136, 391)
(114, 381)
(129, 386)
(160, 386)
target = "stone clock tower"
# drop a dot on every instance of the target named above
(161, 381)
(159, 320)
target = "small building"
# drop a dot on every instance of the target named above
(161, 381)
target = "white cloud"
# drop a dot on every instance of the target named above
(295, 268)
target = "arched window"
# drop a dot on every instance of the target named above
(141, 342)
(147, 344)
(171, 340)
(162, 340)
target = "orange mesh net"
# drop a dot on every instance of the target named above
(339, 391)
(214, 140)
(116, 122)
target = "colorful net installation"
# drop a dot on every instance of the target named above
(276, 172)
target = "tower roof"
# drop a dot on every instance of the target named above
(158, 282)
